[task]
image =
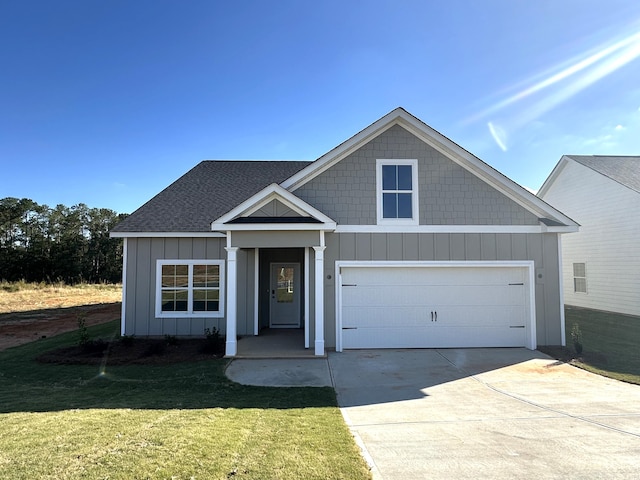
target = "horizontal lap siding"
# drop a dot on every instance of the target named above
(541, 248)
(608, 240)
(142, 254)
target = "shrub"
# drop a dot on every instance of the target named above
(171, 339)
(83, 335)
(576, 338)
(214, 343)
(127, 340)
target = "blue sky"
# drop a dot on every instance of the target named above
(108, 102)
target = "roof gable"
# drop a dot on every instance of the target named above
(305, 216)
(444, 145)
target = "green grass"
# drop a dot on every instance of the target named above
(176, 421)
(611, 343)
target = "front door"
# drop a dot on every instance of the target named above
(285, 295)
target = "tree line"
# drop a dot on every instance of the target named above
(70, 244)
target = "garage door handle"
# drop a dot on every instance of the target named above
(432, 316)
(436, 316)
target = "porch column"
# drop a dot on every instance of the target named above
(232, 301)
(319, 299)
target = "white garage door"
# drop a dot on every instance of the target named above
(430, 307)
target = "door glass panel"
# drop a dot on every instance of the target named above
(284, 290)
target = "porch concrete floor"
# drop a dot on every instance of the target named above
(275, 343)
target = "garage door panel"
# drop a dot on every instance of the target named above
(438, 276)
(441, 337)
(428, 307)
(379, 295)
(368, 317)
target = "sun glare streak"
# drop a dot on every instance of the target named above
(498, 135)
(633, 42)
(568, 82)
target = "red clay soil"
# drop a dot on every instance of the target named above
(24, 327)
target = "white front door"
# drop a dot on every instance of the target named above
(285, 295)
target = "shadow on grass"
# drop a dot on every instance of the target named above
(29, 386)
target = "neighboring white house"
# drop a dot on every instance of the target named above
(601, 263)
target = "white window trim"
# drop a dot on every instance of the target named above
(574, 277)
(414, 192)
(190, 313)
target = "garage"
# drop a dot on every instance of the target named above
(435, 305)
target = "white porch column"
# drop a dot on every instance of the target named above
(319, 299)
(232, 301)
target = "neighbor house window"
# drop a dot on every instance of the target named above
(190, 288)
(579, 278)
(397, 191)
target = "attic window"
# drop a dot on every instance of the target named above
(579, 278)
(397, 192)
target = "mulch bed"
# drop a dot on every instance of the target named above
(139, 351)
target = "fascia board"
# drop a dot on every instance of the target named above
(166, 235)
(269, 227)
(344, 149)
(557, 170)
(271, 192)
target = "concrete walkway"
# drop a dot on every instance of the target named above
(474, 413)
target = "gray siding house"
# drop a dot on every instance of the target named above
(396, 238)
(601, 263)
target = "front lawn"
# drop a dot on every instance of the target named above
(610, 343)
(178, 421)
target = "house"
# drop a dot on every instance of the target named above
(601, 263)
(398, 237)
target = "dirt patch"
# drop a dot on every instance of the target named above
(138, 351)
(24, 327)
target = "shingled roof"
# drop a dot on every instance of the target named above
(622, 169)
(204, 193)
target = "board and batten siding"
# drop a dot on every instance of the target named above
(541, 248)
(142, 256)
(608, 242)
(448, 194)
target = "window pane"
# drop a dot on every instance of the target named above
(389, 177)
(404, 177)
(182, 269)
(284, 292)
(182, 304)
(169, 301)
(213, 276)
(389, 205)
(168, 275)
(404, 205)
(580, 285)
(174, 300)
(206, 300)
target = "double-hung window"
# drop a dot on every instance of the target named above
(579, 278)
(190, 288)
(397, 192)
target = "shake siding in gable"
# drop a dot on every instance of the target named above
(541, 248)
(449, 195)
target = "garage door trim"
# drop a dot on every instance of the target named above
(530, 338)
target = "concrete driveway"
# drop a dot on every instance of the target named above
(486, 413)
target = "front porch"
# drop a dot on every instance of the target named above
(275, 343)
